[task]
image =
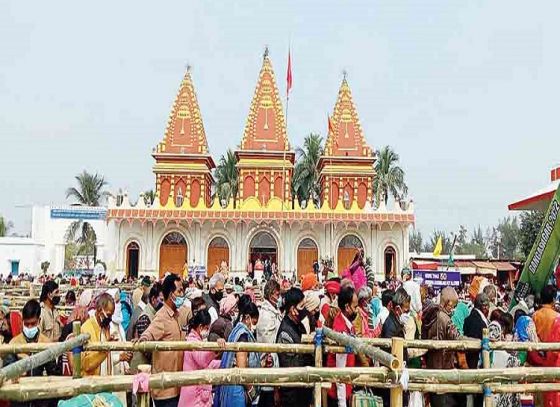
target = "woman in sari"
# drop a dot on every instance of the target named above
(356, 272)
(239, 395)
(524, 331)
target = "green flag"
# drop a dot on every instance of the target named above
(544, 256)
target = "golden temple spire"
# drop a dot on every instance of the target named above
(185, 131)
(345, 135)
(266, 127)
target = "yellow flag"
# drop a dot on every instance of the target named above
(439, 247)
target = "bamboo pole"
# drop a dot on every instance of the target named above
(303, 348)
(359, 346)
(480, 376)
(166, 346)
(76, 352)
(456, 345)
(265, 376)
(317, 392)
(397, 392)
(488, 399)
(24, 365)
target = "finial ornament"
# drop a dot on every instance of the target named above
(189, 67)
(265, 51)
(344, 74)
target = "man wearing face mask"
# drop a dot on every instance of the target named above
(51, 324)
(166, 327)
(214, 295)
(267, 329)
(143, 316)
(341, 394)
(98, 326)
(394, 326)
(290, 332)
(31, 315)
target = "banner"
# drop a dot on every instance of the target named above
(544, 256)
(438, 279)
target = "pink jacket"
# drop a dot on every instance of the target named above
(197, 396)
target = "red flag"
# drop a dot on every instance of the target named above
(289, 74)
(331, 129)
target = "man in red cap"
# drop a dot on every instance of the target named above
(329, 305)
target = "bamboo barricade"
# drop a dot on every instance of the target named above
(360, 346)
(378, 377)
(18, 368)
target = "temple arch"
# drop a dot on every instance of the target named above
(218, 252)
(307, 254)
(173, 254)
(347, 249)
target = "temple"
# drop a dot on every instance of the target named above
(187, 228)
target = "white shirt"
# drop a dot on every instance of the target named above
(413, 289)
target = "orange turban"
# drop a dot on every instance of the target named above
(309, 281)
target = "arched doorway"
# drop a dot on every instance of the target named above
(218, 251)
(172, 254)
(347, 249)
(307, 254)
(390, 258)
(132, 259)
(263, 251)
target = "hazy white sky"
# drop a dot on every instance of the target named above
(465, 91)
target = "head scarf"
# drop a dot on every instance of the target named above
(461, 312)
(375, 310)
(85, 297)
(227, 304)
(332, 287)
(524, 330)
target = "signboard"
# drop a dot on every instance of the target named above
(77, 213)
(197, 272)
(544, 256)
(438, 279)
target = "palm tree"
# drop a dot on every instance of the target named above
(227, 178)
(5, 226)
(90, 189)
(305, 183)
(389, 177)
(149, 197)
(88, 193)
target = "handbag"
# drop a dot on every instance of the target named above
(365, 398)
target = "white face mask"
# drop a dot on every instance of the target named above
(204, 334)
(117, 315)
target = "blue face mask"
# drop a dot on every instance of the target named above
(30, 333)
(179, 301)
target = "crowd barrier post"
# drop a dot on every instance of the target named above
(485, 351)
(77, 352)
(317, 394)
(397, 349)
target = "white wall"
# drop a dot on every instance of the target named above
(22, 249)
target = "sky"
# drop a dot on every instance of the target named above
(465, 91)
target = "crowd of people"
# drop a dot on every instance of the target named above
(232, 311)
